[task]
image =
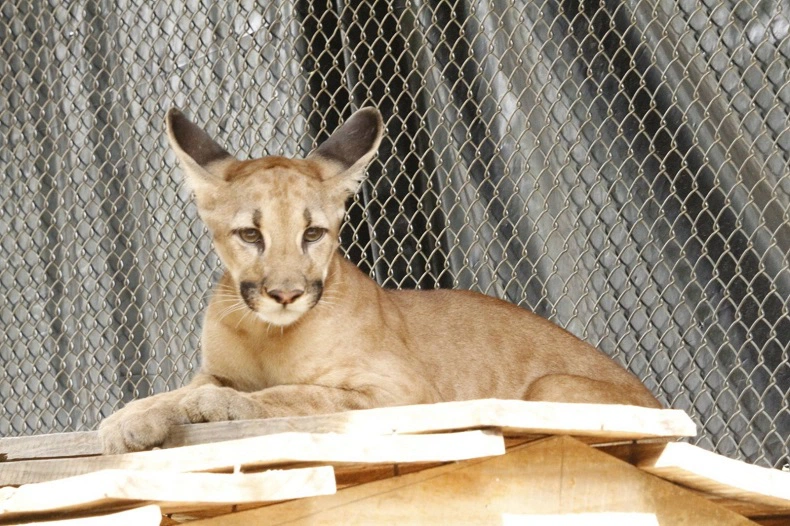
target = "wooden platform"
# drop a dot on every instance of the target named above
(476, 462)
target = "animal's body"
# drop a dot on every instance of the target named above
(293, 328)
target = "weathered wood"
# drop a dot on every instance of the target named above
(172, 491)
(581, 519)
(76, 444)
(270, 450)
(514, 417)
(143, 516)
(352, 474)
(361, 474)
(599, 423)
(745, 488)
(551, 476)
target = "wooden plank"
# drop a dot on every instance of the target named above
(551, 476)
(581, 519)
(82, 443)
(360, 474)
(514, 417)
(270, 450)
(749, 489)
(353, 474)
(172, 491)
(143, 516)
(601, 423)
(181, 517)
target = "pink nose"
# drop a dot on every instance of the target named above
(284, 297)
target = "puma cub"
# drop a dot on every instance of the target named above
(295, 329)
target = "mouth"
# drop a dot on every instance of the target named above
(278, 308)
(275, 313)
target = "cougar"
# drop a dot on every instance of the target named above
(293, 328)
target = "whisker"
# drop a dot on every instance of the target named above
(227, 314)
(226, 294)
(223, 300)
(230, 310)
(242, 318)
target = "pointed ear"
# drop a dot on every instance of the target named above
(199, 155)
(350, 148)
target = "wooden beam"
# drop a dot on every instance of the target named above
(599, 423)
(144, 516)
(172, 491)
(748, 489)
(558, 475)
(269, 450)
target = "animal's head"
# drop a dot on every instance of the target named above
(275, 221)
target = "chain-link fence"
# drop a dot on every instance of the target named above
(621, 168)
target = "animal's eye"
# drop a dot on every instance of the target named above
(250, 235)
(313, 234)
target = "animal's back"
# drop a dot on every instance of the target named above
(478, 346)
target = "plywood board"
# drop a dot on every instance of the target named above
(172, 491)
(581, 519)
(270, 450)
(751, 490)
(600, 423)
(558, 475)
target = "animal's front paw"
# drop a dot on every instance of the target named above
(136, 428)
(210, 403)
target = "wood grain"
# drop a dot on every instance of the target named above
(748, 489)
(172, 491)
(75, 444)
(269, 450)
(558, 475)
(581, 519)
(143, 516)
(599, 423)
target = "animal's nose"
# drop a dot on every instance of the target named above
(284, 297)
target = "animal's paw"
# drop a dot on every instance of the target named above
(138, 427)
(210, 403)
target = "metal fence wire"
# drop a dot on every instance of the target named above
(622, 168)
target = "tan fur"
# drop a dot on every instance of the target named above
(358, 346)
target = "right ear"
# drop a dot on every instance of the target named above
(350, 148)
(202, 159)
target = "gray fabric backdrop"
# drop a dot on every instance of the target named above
(619, 167)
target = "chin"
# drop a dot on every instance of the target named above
(281, 317)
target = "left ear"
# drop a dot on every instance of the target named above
(350, 148)
(202, 159)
